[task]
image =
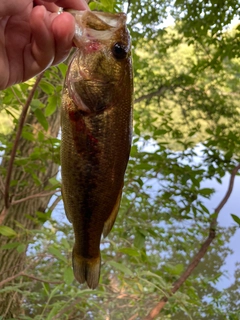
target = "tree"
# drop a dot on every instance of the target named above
(29, 191)
(186, 95)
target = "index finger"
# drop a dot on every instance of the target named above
(51, 7)
(69, 4)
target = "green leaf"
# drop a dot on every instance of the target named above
(11, 245)
(46, 287)
(43, 216)
(63, 67)
(68, 275)
(139, 240)
(204, 208)
(51, 106)
(21, 161)
(130, 251)
(121, 267)
(36, 179)
(54, 182)
(41, 136)
(7, 232)
(47, 87)
(19, 225)
(54, 251)
(178, 269)
(41, 119)
(137, 131)
(53, 312)
(236, 219)
(35, 104)
(108, 4)
(161, 132)
(92, 5)
(160, 279)
(28, 136)
(65, 243)
(206, 191)
(21, 248)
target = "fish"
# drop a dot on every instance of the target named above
(96, 134)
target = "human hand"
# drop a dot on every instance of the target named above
(33, 36)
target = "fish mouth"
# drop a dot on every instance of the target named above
(95, 25)
(109, 19)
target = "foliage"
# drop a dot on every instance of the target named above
(186, 134)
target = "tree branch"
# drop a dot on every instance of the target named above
(148, 96)
(41, 280)
(16, 97)
(18, 135)
(128, 7)
(2, 186)
(55, 203)
(18, 274)
(11, 278)
(202, 251)
(134, 316)
(33, 196)
(3, 215)
(67, 308)
(28, 276)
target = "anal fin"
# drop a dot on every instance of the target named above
(111, 219)
(65, 205)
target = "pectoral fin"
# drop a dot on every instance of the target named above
(110, 221)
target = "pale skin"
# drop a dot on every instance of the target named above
(33, 36)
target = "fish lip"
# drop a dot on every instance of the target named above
(106, 17)
(110, 23)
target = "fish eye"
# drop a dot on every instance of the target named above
(119, 50)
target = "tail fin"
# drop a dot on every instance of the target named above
(86, 269)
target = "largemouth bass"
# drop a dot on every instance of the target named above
(96, 120)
